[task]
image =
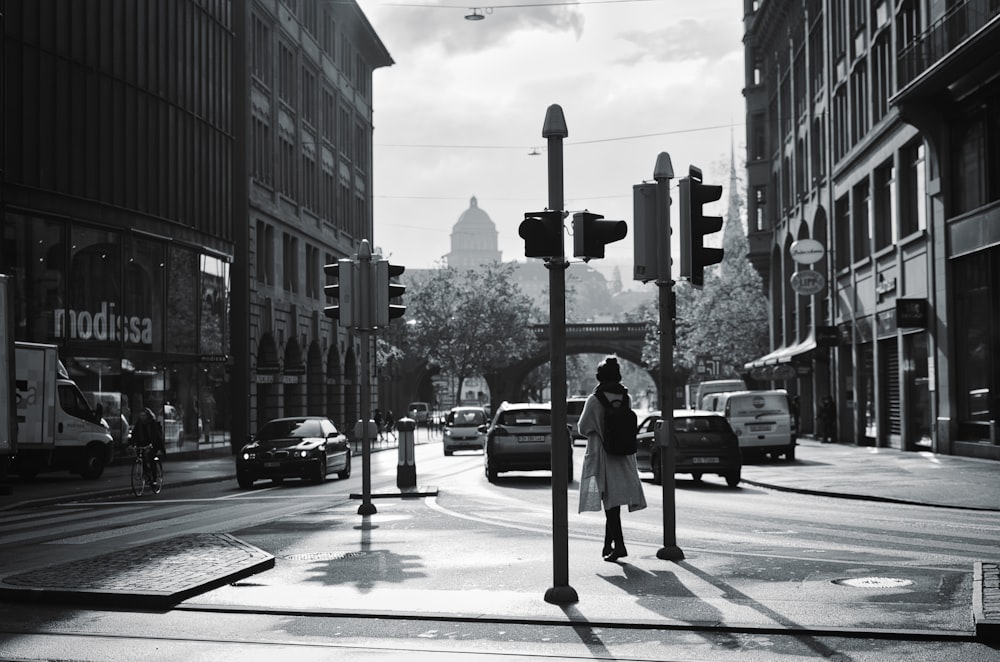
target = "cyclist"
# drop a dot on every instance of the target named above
(148, 432)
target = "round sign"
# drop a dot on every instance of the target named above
(807, 251)
(808, 282)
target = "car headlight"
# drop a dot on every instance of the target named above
(248, 456)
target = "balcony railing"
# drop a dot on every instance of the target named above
(958, 24)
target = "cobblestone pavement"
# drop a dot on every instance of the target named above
(156, 575)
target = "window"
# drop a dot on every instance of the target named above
(310, 196)
(308, 107)
(881, 76)
(842, 219)
(286, 164)
(329, 196)
(885, 206)
(262, 158)
(861, 220)
(329, 37)
(913, 205)
(261, 264)
(313, 269)
(759, 200)
(286, 74)
(758, 137)
(290, 263)
(969, 164)
(261, 58)
(329, 112)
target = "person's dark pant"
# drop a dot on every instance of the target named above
(613, 529)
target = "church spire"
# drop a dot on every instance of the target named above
(734, 239)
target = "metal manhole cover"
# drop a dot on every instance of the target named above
(323, 556)
(874, 582)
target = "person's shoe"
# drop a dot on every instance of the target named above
(607, 551)
(615, 555)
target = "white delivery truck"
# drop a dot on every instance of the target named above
(56, 428)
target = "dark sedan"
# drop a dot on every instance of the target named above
(704, 441)
(307, 447)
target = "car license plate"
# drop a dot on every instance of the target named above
(272, 465)
(759, 427)
(530, 438)
(705, 460)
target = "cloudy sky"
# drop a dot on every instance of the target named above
(462, 108)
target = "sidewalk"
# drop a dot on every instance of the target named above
(457, 566)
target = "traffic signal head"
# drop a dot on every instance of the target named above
(342, 290)
(695, 225)
(591, 232)
(646, 234)
(386, 291)
(542, 232)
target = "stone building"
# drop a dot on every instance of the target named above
(872, 160)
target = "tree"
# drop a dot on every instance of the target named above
(469, 322)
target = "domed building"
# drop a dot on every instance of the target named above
(473, 239)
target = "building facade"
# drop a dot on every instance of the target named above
(873, 149)
(117, 201)
(172, 185)
(309, 138)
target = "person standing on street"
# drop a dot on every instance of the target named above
(608, 481)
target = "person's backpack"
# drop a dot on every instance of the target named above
(621, 426)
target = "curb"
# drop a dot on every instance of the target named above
(986, 601)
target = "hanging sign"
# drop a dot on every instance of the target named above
(806, 251)
(808, 282)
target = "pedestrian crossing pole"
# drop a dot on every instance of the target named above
(663, 172)
(555, 131)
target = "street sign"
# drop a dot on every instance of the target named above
(806, 251)
(808, 282)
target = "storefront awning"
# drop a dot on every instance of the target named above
(784, 354)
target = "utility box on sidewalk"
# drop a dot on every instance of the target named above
(406, 471)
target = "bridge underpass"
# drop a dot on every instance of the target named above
(625, 339)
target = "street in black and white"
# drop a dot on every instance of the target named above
(770, 572)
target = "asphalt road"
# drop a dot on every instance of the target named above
(461, 576)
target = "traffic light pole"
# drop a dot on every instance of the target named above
(663, 172)
(365, 322)
(554, 130)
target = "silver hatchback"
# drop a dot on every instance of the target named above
(520, 439)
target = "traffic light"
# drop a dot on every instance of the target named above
(695, 225)
(342, 290)
(386, 291)
(542, 232)
(646, 234)
(591, 232)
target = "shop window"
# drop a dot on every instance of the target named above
(35, 250)
(975, 342)
(143, 293)
(213, 331)
(182, 292)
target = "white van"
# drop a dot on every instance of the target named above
(761, 419)
(715, 386)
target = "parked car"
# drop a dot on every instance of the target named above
(574, 407)
(520, 439)
(307, 447)
(762, 420)
(705, 444)
(461, 429)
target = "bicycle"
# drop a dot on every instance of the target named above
(143, 475)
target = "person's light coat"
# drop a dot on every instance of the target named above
(606, 480)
